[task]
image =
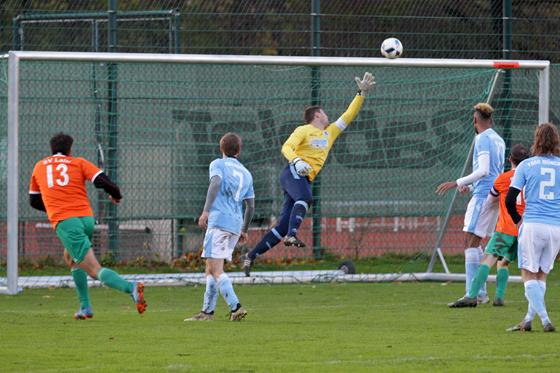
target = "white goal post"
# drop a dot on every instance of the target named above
(10, 285)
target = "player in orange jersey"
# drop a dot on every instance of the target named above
(57, 187)
(502, 247)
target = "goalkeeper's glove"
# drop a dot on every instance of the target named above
(302, 167)
(365, 84)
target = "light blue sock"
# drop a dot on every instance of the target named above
(210, 295)
(531, 311)
(483, 292)
(226, 289)
(472, 262)
(542, 284)
(535, 294)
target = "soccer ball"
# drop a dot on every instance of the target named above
(391, 48)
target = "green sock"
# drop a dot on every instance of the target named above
(80, 279)
(501, 282)
(479, 280)
(113, 280)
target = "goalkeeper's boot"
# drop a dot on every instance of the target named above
(84, 313)
(498, 302)
(463, 302)
(523, 326)
(549, 328)
(246, 264)
(138, 296)
(293, 241)
(201, 316)
(238, 314)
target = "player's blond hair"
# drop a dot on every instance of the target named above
(484, 110)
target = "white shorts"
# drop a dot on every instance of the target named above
(481, 217)
(219, 244)
(537, 246)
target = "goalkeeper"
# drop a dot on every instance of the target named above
(306, 150)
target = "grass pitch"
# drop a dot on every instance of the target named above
(297, 328)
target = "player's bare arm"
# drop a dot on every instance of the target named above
(444, 187)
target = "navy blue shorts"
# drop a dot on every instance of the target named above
(298, 188)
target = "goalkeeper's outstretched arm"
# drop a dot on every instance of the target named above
(365, 86)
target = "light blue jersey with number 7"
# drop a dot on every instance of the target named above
(237, 184)
(540, 176)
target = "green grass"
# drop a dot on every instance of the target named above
(395, 327)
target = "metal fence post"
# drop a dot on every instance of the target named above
(316, 100)
(112, 151)
(507, 89)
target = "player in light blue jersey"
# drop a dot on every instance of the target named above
(231, 187)
(539, 233)
(481, 215)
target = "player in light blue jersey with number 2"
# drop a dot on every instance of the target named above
(482, 214)
(539, 234)
(231, 187)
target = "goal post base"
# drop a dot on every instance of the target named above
(257, 278)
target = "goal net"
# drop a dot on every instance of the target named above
(153, 123)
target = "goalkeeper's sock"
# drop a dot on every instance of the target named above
(113, 280)
(296, 217)
(210, 295)
(226, 289)
(472, 263)
(501, 282)
(535, 295)
(80, 279)
(269, 240)
(478, 280)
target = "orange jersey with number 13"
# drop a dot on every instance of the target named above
(61, 180)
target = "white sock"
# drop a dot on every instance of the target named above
(531, 313)
(483, 292)
(535, 295)
(210, 295)
(472, 262)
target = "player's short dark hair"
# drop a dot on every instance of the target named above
(61, 143)
(309, 113)
(546, 140)
(230, 144)
(518, 153)
(484, 110)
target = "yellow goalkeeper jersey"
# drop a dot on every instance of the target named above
(313, 145)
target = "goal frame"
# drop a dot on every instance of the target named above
(15, 57)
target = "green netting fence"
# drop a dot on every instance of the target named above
(376, 190)
(428, 29)
(415, 130)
